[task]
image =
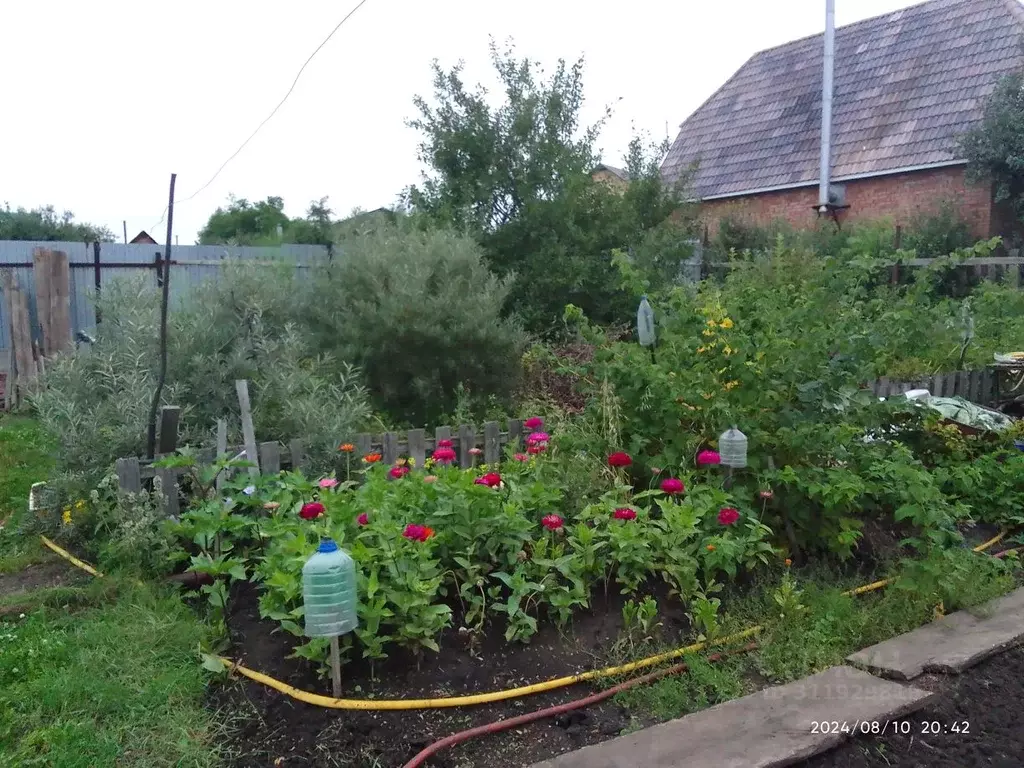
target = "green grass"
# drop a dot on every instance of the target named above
(115, 683)
(26, 457)
(829, 627)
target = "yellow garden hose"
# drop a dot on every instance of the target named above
(330, 702)
(71, 558)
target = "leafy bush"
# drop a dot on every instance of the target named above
(419, 313)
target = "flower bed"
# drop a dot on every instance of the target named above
(441, 547)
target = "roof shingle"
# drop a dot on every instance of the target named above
(906, 85)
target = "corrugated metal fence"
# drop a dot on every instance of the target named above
(93, 264)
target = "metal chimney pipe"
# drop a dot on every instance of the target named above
(826, 104)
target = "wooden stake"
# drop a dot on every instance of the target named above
(248, 430)
(335, 667)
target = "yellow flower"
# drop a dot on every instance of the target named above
(711, 323)
(707, 395)
(727, 350)
(66, 517)
(80, 505)
(708, 332)
(411, 462)
(400, 462)
(727, 323)
(701, 350)
(731, 385)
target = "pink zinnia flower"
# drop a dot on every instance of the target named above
(475, 451)
(311, 511)
(363, 519)
(521, 457)
(620, 459)
(491, 480)
(767, 495)
(444, 455)
(444, 443)
(417, 532)
(624, 513)
(398, 472)
(327, 482)
(672, 486)
(551, 522)
(709, 458)
(728, 516)
(537, 438)
(534, 423)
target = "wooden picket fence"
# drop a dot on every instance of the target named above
(977, 386)
(269, 458)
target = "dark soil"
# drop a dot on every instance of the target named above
(268, 725)
(976, 721)
(50, 573)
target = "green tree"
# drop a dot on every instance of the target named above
(46, 224)
(265, 223)
(994, 148)
(517, 178)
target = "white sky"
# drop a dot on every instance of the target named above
(102, 100)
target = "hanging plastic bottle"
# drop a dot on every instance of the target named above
(329, 592)
(732, 447)
(645, 323)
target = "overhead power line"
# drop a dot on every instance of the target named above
(272, 112)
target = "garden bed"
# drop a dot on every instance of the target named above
(272, 725)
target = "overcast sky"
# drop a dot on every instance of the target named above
(103, 100)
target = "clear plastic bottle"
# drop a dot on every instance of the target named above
(645, 323)
(329, 591)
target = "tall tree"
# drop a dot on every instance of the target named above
(994, 148)
(517, 176)
(245, 223)
(46, 224)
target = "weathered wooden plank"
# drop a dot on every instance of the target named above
(974, 386)
(987, 394)
(389, 450)
(492, 442)
(41, 278)
(467, 440)
(961, 384)
(364, 444)
(270, 458)
(248, 430)
(128, 477)
(515, 430)
(21, 340)
(883, 386)
(168, 491)
(417, 443)
(937, 385)
(60, 305)
(298, 450)
(222, 449)
(169, 417)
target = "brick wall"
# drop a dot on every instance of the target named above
(899, 197)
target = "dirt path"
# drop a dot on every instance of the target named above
(976, 721)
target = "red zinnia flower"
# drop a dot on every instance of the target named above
(444, 443)
(624, 513)
(417, 532)
(728, 516)
(363, 519)
(672, 486)
(551, 522)
(534, 423)
(398, 472)
(491, 480)
(619, 459)
(444, 455)
(311, 511)
(521, 457)
(708, 458)
(536, 448)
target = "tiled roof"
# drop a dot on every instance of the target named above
(906, 85)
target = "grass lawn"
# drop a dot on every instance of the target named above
(93, 672)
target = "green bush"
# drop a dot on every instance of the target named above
(420, 314)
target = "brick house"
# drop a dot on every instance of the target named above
(907, 84)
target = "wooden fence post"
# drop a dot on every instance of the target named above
(248, 431)
(169, 417)
(128, 478)
(298, 451)
(467, 441)
(492, 442)
(270, 458)
(417, 445)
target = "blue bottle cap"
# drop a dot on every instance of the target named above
(327, 545)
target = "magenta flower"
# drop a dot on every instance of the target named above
(728, 516)
(624, 513)
(444, 455)
(444, 443)
(552, 522)
(327, 482)
(537, 437)
(521, 457)
(398, 472)
(709, 458)
(672, 486)
(363, 519)
(534, 423)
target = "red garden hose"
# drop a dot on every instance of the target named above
(513, 722)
